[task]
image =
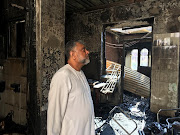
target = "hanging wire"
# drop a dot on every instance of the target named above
(126, 43)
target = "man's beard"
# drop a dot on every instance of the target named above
(85, 61)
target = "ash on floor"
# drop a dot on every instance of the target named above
(134, 106)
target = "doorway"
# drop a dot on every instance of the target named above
(129, 45)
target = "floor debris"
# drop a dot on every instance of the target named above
(135, 106)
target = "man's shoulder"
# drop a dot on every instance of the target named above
(64, 71)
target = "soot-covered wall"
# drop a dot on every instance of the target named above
(89, 25)
(45, 40)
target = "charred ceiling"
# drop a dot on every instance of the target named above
(90, 5)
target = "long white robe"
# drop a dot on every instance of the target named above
(70, 106)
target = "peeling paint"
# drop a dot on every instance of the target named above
(172, 87)
(53, 42)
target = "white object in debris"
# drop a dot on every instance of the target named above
(105, 91)
(99, 85)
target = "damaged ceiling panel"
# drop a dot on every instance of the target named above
(89, 5)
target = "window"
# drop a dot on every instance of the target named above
(144, 57)
(134, 59)
(16, 46)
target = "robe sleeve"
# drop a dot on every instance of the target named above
(57, 102)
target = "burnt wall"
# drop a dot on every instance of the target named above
(112, 53)
(165, 72)
(45, 39)
(89, 25)
(50, 18)
(13, 96)
(13, 68)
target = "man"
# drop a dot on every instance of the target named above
(70, 106)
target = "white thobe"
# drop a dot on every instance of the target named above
(70, 106)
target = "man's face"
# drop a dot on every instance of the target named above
(82, 55)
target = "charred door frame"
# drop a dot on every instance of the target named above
(33, 110)
(103, 59)
(150, 22)
(179, 77)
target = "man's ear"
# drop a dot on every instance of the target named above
(72, 55)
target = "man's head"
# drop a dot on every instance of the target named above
(76, 51)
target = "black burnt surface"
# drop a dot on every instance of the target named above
(138, 108)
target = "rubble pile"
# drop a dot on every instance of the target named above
(139, 111)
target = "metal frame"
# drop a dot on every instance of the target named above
(174, 109)
(101, 128)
